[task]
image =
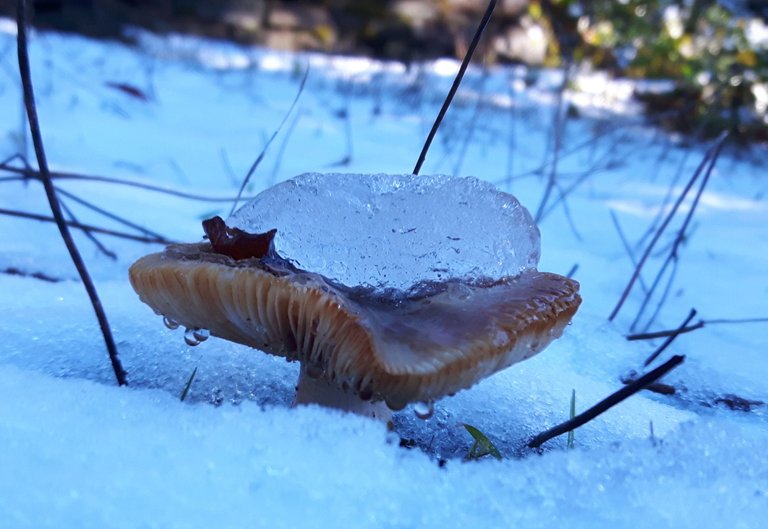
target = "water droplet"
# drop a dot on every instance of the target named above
(394, 404)
(201, 335)
(189, 337)
(365, 394)
(170, 323)
(424, 410)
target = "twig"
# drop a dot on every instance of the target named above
(672, 256)
(103, 249)
(455, 85)
(699, 325)
(670, 339)
(469, 132)
(346, 115)
(109, 214)
(626, 245)
(260, 157)
(86, 227)
(671, 259)
(558, 129)
(37, 139)
(710, 155)
(42, 276)
(284, 144)
(607, 403)
(58, 175)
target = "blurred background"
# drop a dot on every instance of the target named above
(712, 54)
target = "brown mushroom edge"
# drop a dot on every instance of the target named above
(359, 348)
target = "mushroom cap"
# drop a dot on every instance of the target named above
(398, 347)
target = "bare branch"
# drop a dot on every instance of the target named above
(710, 156)
(607, 403)
(269, 142)
(50, 191)
(455, 85)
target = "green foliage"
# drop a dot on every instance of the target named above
(482, 446)
(698, 44)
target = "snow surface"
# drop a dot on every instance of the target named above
(77, 451)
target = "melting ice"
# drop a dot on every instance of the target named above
(392, 231)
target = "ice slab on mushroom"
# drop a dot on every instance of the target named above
(392, 231)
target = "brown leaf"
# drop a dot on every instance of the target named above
(239, 244)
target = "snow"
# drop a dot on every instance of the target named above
(77, 451)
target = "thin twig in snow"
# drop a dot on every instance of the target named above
(58, 175)
(711, 155)
(37, 139)
(86, 227)
(672, 256)
(455, 85)
(91, 237)
(607, 403)
(696, 326)
(260, 157)
(654, 355)
(109, 215)
(627, 248)
(558, 130)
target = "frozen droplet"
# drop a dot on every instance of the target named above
(189, 337)
(416, 228)
(394, 404)
(424, 410)
(170, 323)
(201, 335)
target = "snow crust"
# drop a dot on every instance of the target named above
(76, 451)
(393, 231)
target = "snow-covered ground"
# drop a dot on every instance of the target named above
(78, 451)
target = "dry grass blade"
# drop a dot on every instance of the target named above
(696, 326)
(86, 227)
(260, 157)
(25, 173)
(710, 157)
(653, 356)
(455, 85)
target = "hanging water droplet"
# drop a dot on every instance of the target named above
(170, 323)
(189, 337)
(201, 335)
(424, 410)
(394, 404)
(365, 394)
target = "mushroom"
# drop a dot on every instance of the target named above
(366, 348)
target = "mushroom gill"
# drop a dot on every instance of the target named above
(415, 286)
(393, 348)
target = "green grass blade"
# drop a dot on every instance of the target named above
(483, 446)
(189, 384)
(571, 434)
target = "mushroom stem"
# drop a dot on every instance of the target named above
(319, 391)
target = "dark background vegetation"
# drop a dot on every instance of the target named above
(715, 71)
